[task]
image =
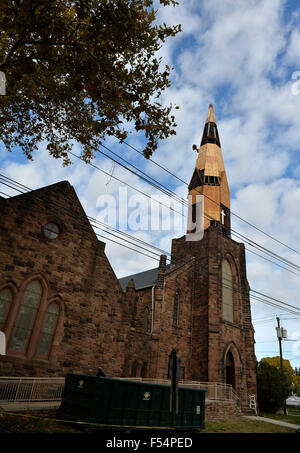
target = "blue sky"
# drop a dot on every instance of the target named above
(241, 56)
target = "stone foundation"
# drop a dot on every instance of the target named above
(221, 410)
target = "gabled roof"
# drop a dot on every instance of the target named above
(141, 279)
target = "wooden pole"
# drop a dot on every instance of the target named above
(281, 361)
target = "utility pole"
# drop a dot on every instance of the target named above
(281, 334)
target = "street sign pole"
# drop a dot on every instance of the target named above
(173, 373)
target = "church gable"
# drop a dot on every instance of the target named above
(50, 250)
(55, 201)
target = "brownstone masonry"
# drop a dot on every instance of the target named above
(63, 309)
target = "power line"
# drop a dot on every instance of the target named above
(254, 244)
(171, 194)
(271, 302)
(168, 192)
(63, 207)
(27, 188)
(123, 182)
(154, 182)
(274, 305)
(270, 261)
(124, 234)
(240, 218)
(276, 300)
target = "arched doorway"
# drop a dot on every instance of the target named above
(230, 369)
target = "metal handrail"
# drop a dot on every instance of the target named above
(17, 389)
(49, 390)
(215, 390)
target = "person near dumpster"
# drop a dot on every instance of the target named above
(100, 372)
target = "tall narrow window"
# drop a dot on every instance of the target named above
(175, 310)
(24, 323)
(48, 329)
(227, 291)
(144, 370)
(134, 369)
(5, 301)
(146, 319)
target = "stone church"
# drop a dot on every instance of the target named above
(63, 309)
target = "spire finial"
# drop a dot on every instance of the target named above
(210, 115)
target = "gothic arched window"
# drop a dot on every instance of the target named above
(227, 291)
(24, 322)
(48, 330)
(5, 302)
(175, 309)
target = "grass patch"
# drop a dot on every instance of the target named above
(295, 420)
(25, 423)
(244, 426)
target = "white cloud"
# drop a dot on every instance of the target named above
(292, 55)
(237, 55)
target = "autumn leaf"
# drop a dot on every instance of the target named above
(80, 71)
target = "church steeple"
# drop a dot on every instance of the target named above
(209, 178)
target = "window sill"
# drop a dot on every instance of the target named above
(18, 356)
(231, 324)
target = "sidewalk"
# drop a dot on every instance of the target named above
(270, 420)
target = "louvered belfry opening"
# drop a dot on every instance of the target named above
(210, 134)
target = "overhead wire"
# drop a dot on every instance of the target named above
(69, 213)
(205, 195)
(207, 216)
(123, 182)
(233, 213)
(181, 200)
(1, 176)
(271, 302)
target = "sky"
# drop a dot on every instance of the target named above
(244, 58)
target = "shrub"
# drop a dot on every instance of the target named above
(273, 387)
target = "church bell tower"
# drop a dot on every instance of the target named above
(222, 332)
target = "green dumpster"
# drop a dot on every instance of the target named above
(116, 402)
